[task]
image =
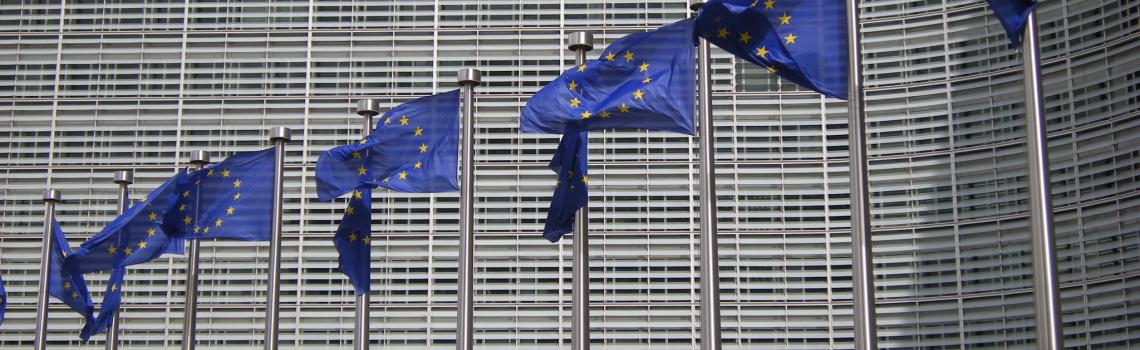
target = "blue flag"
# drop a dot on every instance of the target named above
(3, 300)
(571, 193)
(414, 148)
(643, 81)
(232, 199)
(70, 289)
(804, 41)
(143, 233)
(111, 300)
(1013, 14)
(353, 240)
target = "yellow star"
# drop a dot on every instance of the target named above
(352, 237)
(771, 69)
(762, 51)
(644, 67)
(754, 3)
(142, 245)
(586, 115)
(349, 210)
(210, 172)
(585, 179)
(150, 232)
(605, 114)
(785, 19)
(206, 230)
(197, 229)
(230, 211)
(357, 195)
(419, 131)
(128, 250)
(423, 148)
(582, 68)
(75, 295)
(182, 207)
(367, 240)
(574, 102)
(356, 155)
(637, 95)
(361, 170)
(237, 183)
(610, 56)
(152, 216)
(114, 287)
(387, 179)
(769, 4)
(745, 37)
(66, 285)
(628, 56)
(218, 222)
(573, 85)
(225, 172)
(790, 39)
(722, 33)
(404, 120)
(186, 194)
(419, 164)
(647, 80)
(186, 220)
(623, 108)
(363, 141)
(112, 250)
(237, 196)
(387, 120)
(403, 175)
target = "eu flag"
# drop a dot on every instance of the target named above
(353, 240)
(142, 233)
(70, 289)
(232, 199)
(804, 41)
(3, 300)
(643, 80)
(111, 300)
(571, 193)
(414, 148)
(1013, 14)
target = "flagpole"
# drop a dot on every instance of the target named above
(198, 160)
(862, 268)
(465, 311)
(709, 257)
(50, 198)
(279, 136)
(1050, 327)
(580, 43)
(123, 178)
(366, 108)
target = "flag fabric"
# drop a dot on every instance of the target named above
(110, 306)
(804, 41)
(570, 192)
(414, 148)
(1013, 14)
(69, 289)
(142, 233)
(353, 240)
(232, 199)
(3, 300)
(643, 80)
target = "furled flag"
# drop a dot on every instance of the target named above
(232, 199)
(1013, 14)
(70, 289)
(570, 193)
(3, 300)
(414, 148)
(111, 300)
(353, 240)
(804, 41)
(141, 234)
(643, 80)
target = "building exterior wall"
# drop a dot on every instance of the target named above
(89, 87)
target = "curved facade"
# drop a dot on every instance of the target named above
(89, 87)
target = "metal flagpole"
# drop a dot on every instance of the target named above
(279, 136)
(42, 302)
(198, 160)
(366, 108)
(465, 311)
(580, 43)
(710, 276)
(1050, 327)
(123, 178)
(862, 268)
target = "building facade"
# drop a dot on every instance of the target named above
(88, 87)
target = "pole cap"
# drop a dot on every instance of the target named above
(696, 5)
(280, 133)
(52, 195)
(470, 76)
(580, 41)
(125, 177)
(367, 107)
(199, 157)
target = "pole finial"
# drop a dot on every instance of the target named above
(696, 5)
(367, 107)
(52, 195)
(580, 41)
(470, 76)
(199, 158)
(125, 177)
(280, 133)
